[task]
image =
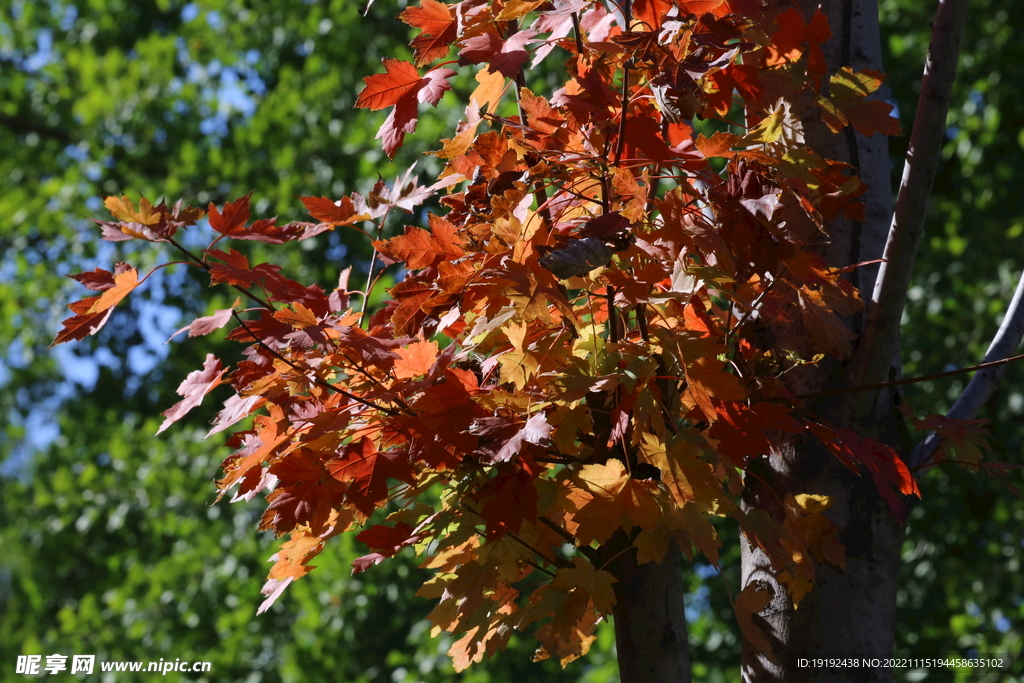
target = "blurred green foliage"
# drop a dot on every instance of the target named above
(111, 546)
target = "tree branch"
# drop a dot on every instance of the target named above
(871, 361)
(983, 384)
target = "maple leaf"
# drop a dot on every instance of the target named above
(607, 496)
(100, 280)
(385, 90)
(92, 313)
(235, 270)
(504, 56)
(847, 103)
(415, 360)
(197, 385)
(207, 324)
(401, 87)
(535, 431)
(511, 499)
(368, 470)
(578, 258)
(743, 431)
(341, 212)
(419, 248)
(123, 209)
(386, 540)
(235, 408)
(886, 467)
(437, 30)
(794, 33)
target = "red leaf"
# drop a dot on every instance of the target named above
(386, 89)
(505, 56)
(341, 212)
(743, 432)
(437, 26)
(514, 501)
(235, 269)
(197, 385)
(386, 540)
(233, 218)
(369, 470)
(402, 88)
(886, 467)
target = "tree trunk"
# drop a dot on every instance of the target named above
(852, 612)
(650, 621)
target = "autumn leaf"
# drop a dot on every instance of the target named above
(123, 209)
(232, 218)
(93, 312)
(368, 470)
(419, 248)
(341, 212)
(608, 498)
(401, 87)
(197, 385)
(578, 258)
(503, 56)
(207, 324)
(847, 103)
(386, 540)
(437, 29)
(415, 359)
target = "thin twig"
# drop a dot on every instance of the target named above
(912, 380)
(577, 33)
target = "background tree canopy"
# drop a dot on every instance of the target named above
(111, 544)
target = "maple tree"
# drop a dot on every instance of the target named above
(605, 332)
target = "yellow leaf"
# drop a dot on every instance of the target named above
(514, 9)
(123, 209)
(490, 89)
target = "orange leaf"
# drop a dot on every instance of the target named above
(422, 249)
(437, 26)
(124, 283)
(607, 495)
(341, 212)
(415, 359)
(92, 313)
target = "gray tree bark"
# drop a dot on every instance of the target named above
(851, 612)
(650, 620)
(848, 612)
